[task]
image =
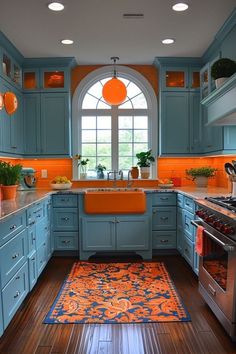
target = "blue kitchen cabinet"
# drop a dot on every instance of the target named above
(164, 218)
(189, 231)
(10, 69)
(47, 124)
(180, 229)
(33, 269)
(65, 219)
(12, 125)
(179, 78)
(212, 135)
(51, 79)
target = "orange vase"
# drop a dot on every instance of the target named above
(9, 192)
(134, 172)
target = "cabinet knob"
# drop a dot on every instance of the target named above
(18, 277)
(164, 218)
(32, 259)
(15, 256)
(13, 227)
(65, 218)
(65, 241)
(17, 294)
(164, 241)
(164, 198)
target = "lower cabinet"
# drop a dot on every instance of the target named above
(14, 293)
(33, 273)
(115, 233)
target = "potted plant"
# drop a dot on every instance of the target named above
(145, 159)
(222, 69)
(9, 178)
(201, 174)
(82, 164)
(100, 171)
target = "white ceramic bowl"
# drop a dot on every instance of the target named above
(167, 185)
(61, 185)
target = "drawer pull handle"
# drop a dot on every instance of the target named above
(38, 216)
(65, 218)
(33, 238)
(18, 277)
(17, 294)
(13, 227)
(37, 211)
(154, 211)
(164, 241)
(117, 221)
(187, 204)
(164, 218)
(32, 259)
(15, 256)
(65, 241)
(164, 198)
(32, 223)
(212, 290)
(187, 225)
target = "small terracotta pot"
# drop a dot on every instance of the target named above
(134, 172)
(9, 192)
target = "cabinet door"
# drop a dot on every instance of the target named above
(195, 123)
(55, 124)
(175, 118)
(31, 79)
(132, 233)
(41, 258)
(98, 234)
(230, 138)
(164, 218)
(32, 124)
(212, 135)
(174, 78)
(54, 79)
(33, 275)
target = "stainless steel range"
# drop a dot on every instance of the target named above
(217, 268)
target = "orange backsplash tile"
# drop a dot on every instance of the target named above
(166, 168)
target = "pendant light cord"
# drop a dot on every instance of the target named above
(114, 64)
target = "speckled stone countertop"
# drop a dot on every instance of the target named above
(26, 198)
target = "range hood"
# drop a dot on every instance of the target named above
(221, 104)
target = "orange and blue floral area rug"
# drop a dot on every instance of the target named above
(117, 293)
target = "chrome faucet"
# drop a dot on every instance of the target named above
(129, 181)
(120, 173)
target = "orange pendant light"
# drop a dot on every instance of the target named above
(114, 91)
(10, 102)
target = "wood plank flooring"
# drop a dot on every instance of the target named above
(26, 334)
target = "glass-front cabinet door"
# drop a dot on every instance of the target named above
(194, 79)
(54, 79)
(174, 79)
(204, 81)
(10, 70)
(31, 79)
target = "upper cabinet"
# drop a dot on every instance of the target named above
(180, 78)
(10, 70)
(46, 79)
(207, 84)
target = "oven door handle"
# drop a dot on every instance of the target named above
(227, 247)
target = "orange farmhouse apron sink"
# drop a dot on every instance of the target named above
(115, 201)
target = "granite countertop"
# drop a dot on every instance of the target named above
(26, 198)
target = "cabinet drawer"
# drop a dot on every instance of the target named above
(35, 213)
(32, 267)
(41, 258)
(189, 229)
(189, 204)
(65, 219)
(42, 229)
(66, 241)
(180, 200)
(64, 201)
(14, 293)
(164, 218)
(163, 239)
(11, 226)
(188, 248)
(164, 199)
(12, 255)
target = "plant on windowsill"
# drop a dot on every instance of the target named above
(222, 69)
(200, 175)
(145, 159)
(9, 179)
(82, 164)
(100, 171)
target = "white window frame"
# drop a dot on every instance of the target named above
(102, 73)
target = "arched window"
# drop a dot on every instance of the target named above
(113, 135)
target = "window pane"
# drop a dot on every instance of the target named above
(103, 81)
(125, 163)
(96, 89)
(125, 81)
(133, 90)
(88, 136)
(105, 161)
(125, 149)
(139, 101)
(104, 149)
(103, 105)
(125, 136)
(139, 148)
(103, 136)
(91, 163)
(126, 104)
(88, 150)
(140, 136)
(140, 122)
(104, 122)
(89, 102)
(125, 122)
(88, 122)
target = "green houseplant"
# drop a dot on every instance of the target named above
(145, 159)
(201, 174)
(222, 69)
(100, 171)
(9, 178)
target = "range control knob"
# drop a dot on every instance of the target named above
(229, 230)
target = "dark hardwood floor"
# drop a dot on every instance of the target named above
(26, 334)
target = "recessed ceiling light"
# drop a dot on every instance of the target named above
(168, 41)
(56, 6)
(180, 6)
(67, 41)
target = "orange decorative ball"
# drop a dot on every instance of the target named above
(114, 92)
(10, 102)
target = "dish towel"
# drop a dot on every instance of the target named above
(199, 244)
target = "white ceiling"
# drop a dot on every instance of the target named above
(99, 31)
